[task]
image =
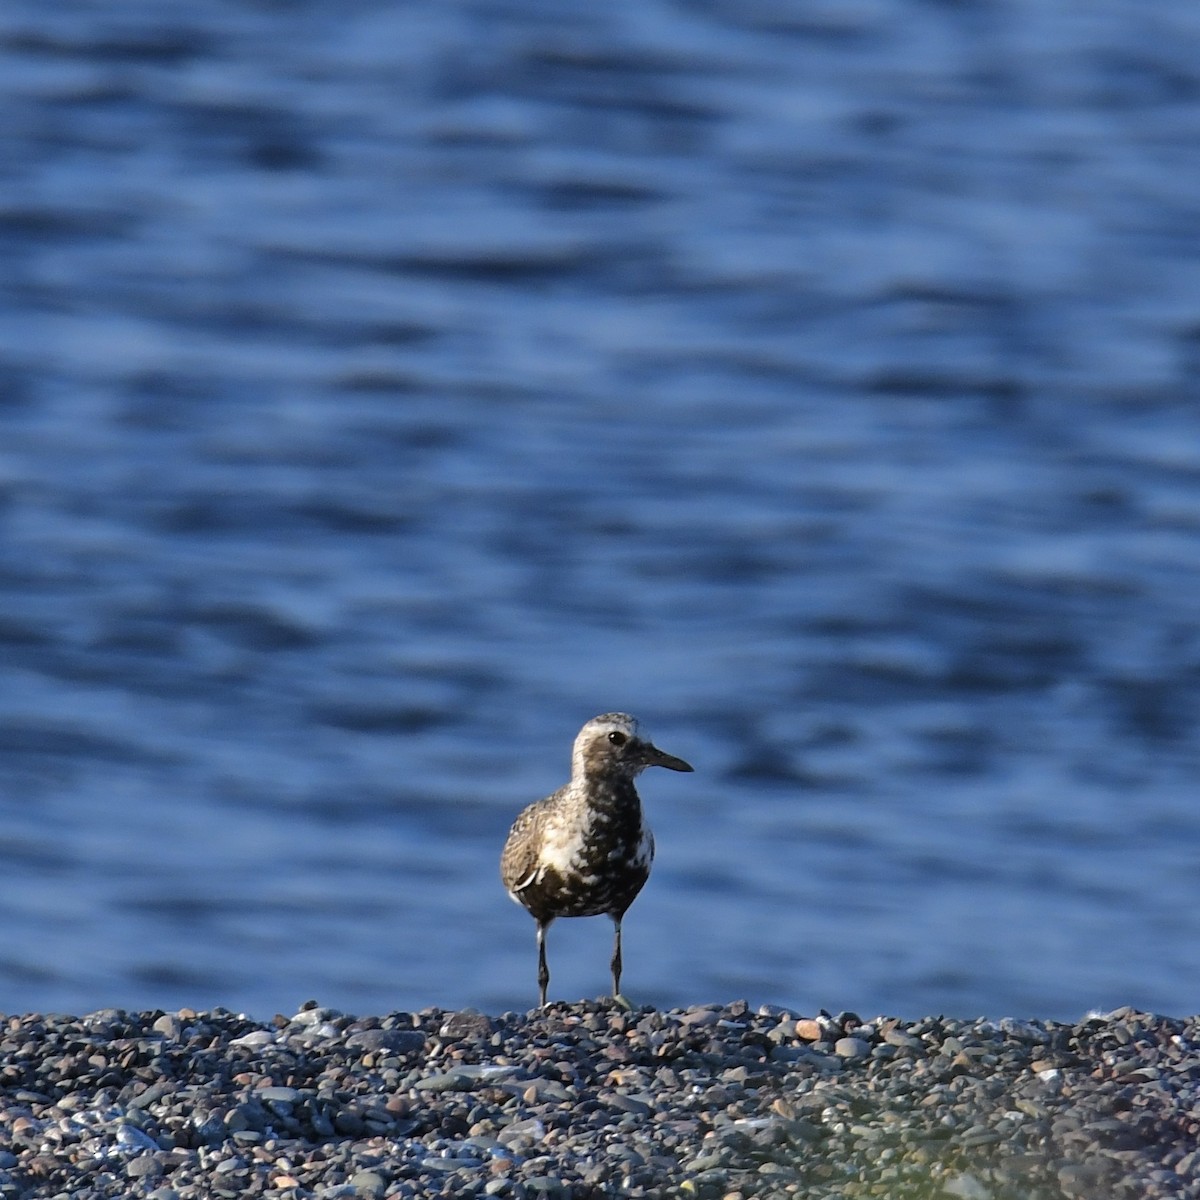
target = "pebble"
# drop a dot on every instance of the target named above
(445, 1082)
(851, 1047)
(466, 1024)
(387, 1041)
(590, 1099)
(169, 1025)
(143, 1165)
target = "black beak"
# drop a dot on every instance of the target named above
(654, 757)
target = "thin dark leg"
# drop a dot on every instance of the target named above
(616, 958)
(543, 970)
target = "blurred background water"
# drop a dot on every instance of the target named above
(385, 389)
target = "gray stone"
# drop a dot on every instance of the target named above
(467, 1024)
(169, 1025)
(368, 1183)
(143, 1167)
(450, 1081)
(629, 1104)
(386, 1041)
(851, 1047)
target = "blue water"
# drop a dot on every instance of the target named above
(387, 389)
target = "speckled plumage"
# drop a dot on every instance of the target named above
(586, 850)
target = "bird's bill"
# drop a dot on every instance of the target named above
(656, 758)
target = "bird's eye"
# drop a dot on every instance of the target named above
(617, 738)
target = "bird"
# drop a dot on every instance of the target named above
(586, 850)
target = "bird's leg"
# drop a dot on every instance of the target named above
(543, 970)
(616, 958)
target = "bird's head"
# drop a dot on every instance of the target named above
(611, 745)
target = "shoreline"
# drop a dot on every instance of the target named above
(589, 1100)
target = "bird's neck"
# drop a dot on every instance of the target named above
(608, 795)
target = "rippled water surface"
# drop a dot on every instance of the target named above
(387, 389)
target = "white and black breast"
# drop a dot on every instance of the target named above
(569, 858)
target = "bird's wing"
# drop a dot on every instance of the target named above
(519, 863)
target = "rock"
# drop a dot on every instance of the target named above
(450, 1081)
(467, 1024)
(387, 1041)
(169, 1025)
(143, 1167)
(368, 1183)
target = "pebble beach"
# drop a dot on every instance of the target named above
(592, 1100)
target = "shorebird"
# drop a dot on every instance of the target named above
(586, 850)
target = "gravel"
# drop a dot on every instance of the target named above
(590, 1100)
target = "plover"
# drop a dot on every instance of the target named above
(586, 849)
